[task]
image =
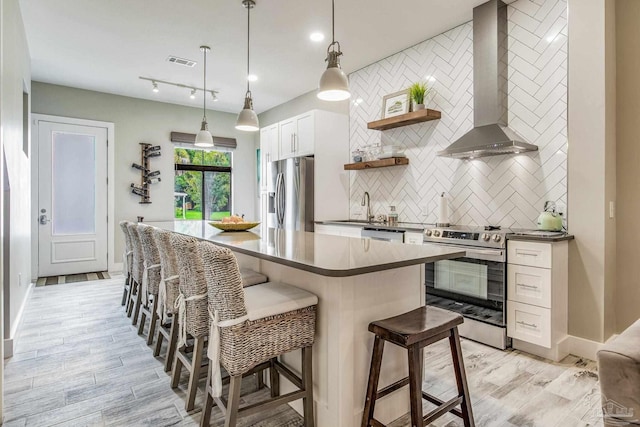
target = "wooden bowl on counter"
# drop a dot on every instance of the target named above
(233, 226)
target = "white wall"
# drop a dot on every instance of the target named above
(591, 171)
(509, 191)
(15, 76)
(138, 121)
(628, 159)
(303, 103)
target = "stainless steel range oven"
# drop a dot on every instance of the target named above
(474, 285)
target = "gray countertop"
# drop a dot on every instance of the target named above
(403, 226)
(333, 256)
(541, 236)
(530, 235)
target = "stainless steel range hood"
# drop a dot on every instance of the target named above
(490, 135)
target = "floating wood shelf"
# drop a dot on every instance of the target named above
(405, 119)
(383, 163)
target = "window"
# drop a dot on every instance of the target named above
(202, 184)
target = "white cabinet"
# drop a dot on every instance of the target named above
(537, 297)
(297, 136)
(269, 138)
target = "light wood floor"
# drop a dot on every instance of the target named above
(78, 361)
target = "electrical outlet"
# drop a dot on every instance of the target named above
(19, 279)
(425, 210)
(357, 211)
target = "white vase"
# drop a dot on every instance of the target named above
(419, 107)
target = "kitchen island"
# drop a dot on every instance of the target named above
(356, 281)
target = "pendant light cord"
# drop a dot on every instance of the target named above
(204, 81)
(334, 43)
(333, 21)
(249, 6)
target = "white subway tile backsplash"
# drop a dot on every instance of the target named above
(503, 190)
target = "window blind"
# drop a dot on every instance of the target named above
(188, 139)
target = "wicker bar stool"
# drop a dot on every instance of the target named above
(127, 261)
(193, 317)
(250, 328)
(150, 280)
(413, 331)
(167, 295)
(137, 271)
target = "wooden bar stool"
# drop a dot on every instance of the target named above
(151, 281)
(414, 331)
(167, 294)
(127, 261)
(251, 327)
(192, 315)
(137, 271)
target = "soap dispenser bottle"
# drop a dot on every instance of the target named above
(393, 216)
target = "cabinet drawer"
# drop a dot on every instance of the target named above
(529, 285)
(529, 323)
(529, 253)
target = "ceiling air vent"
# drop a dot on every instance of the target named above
(181, 61)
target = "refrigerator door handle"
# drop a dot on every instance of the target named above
(280, 199)
(277, 199)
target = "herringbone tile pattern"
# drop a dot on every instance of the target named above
(503, 190)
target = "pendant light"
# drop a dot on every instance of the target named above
(334, 84)
(204, 138)
(247, 119)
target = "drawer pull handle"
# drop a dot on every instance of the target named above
(524, 285)
(531, 325)
(534, 254)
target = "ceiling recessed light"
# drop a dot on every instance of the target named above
(316, 37)
(252, 77)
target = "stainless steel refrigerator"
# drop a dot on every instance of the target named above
(290, 188)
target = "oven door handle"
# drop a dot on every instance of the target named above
(490, 252)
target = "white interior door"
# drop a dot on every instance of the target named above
(72, 199)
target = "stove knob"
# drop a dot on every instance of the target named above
(428, 233)
(485, 237)
(497, 238)
(436, 233)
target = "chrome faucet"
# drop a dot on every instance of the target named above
(366, 200)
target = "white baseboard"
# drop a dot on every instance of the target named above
(9, 342)
(583, 347)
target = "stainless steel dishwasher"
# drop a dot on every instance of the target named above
(383, 234)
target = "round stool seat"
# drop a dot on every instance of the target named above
(416, 325)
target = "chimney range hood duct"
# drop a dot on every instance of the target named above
(490, 135)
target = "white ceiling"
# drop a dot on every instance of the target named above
(105, 45)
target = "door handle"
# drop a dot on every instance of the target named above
(43, 220)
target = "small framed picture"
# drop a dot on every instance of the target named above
(396, 104)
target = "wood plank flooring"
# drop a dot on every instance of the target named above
(79, 362)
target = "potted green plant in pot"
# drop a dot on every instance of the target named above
(418, 91)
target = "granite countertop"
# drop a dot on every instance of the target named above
(402, 226)
(334, 256)
(540, 236)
